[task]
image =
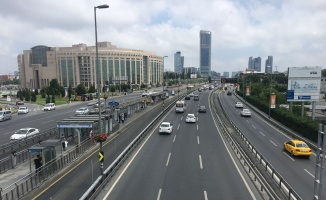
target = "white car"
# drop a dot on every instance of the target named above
(191, 118)
(49, 106)
(239, 105)
(166, 127)
(245, 113)
(22, 110)
(24, 133)
(191, 94)
(82, 111)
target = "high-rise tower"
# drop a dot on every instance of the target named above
(178, 62)
(205, 48)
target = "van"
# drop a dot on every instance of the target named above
(5, 114)
(49, 106)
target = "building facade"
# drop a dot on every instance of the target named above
(205, 48)
(178, 62)
(76, 65)
(254, 64)
(269, 65)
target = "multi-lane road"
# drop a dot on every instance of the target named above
(194, 162)
(298, 172)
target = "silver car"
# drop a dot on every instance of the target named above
(22, 110)
(245, 113)
(82, 111)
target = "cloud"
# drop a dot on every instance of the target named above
(291, 31)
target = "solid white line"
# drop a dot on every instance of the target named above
(174, 138)
(178, 127)
(273, 143)
(159, 194)
(288, 156)
(253, 126)
(125, 169)
(47, 122)
(205, 195)
(167, 162)
(198, 139)
(181, 118)
(309, 173)
(261, 133)
(200, 162)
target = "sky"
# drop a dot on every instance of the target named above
(292, 31)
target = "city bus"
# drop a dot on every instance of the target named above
(180, 107)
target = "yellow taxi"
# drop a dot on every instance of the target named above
(297, 148)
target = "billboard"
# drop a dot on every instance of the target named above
(193, 76)
(303, 83)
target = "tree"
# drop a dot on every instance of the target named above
(80, 90)
(36, 91)
(91, 89)
(323, 72)
(112, 88)
(69, 92)
(62, 91)
(54, 88)
(53, 99)
(33, 96)
(27, 95)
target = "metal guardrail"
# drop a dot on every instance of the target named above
(280, 181)
(13, 160)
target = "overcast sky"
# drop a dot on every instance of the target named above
(292, 31)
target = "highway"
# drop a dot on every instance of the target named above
(194, 162)
(298, 172)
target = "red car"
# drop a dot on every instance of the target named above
(19, 103)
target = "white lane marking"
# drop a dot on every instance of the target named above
(273, 143)
(253, 126)
(47, 122)
(174, 138)
(178, 127)
(159, 194)
(261, 133)
(167, 162)
(9, 132)
(288, 156)
(200, 162)
(197, 117)
(309, 173)
(197, 127)
(205, 195)
(247, 121)
(198, 140)
(181, 118)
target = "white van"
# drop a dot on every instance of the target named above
(5, 114)
(49, 107)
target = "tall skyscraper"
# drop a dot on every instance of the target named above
(254, 64)
(178, 62)
(269, 65)
(205, 48)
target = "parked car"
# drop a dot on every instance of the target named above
(202, 109)
(191, 118)
(22, 110)
(245, 112)
(24, 133)
(166, 127)
(239, 105)
(49, 107)
(82, 111)
(5, 115)
(20, 103)
(297, 148)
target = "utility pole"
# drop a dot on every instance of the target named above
(320, 162)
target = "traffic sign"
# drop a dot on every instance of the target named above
(101, 156)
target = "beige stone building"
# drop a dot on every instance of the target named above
(77, 65)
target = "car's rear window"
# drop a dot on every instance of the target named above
(164, 125)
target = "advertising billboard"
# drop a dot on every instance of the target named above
(303, 83)
(193, 76)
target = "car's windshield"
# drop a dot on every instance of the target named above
(21, 131)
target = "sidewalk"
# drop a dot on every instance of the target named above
(22, 170)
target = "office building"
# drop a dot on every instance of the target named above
(254, 64)
(76, 65)
(205, 48)
(178, 62)
(269, 65)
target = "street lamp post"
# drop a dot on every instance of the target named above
(270, 96)
(98, 84)
(163, 81)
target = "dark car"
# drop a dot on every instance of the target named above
(187, 97)
(202, 109)
(20, 103)
(229, 93)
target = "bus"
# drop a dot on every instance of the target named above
(180, 107)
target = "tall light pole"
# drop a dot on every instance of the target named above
(270, 96)
(163, 81)
(98, 84)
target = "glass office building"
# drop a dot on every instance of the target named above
(205, 53)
